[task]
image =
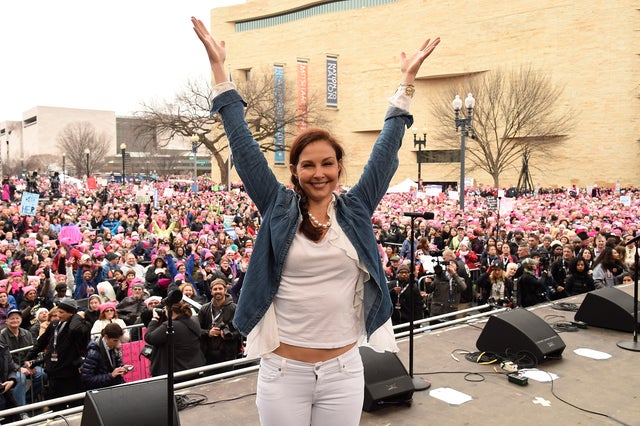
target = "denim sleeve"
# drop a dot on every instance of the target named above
(383, 161)
(251, 164)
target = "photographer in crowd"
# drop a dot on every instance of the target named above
(220, 340)
(445, 288)
(494, 286)
(531, 290)
(186, 338)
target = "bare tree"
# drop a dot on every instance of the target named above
(188, 115)
(42, 162)
(78, 137)
(517, 113)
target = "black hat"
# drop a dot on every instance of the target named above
(112, 256)
(14, 311)
(68, 305)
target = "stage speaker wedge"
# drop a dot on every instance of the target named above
(520, 332)
(137, 403)
(607, 308)
(386, 381)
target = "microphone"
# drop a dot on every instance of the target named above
(633, 240)
(174, 296)
(424, 215)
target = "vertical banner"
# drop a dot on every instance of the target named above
(332, 81)
(303, 95)
(278, 88)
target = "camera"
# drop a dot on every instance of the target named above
(161, 313)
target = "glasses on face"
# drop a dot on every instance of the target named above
(137, 289)
(109, 310)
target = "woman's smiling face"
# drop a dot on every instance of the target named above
(317, 170)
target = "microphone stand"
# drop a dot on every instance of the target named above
(418, 382)
(633, 344)
(171, 299)
(497, 229)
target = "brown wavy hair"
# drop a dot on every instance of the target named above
(182, 309)
(299, 144)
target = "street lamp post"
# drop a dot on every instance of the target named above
(419, 142)
(123, 150)
(464, 125)
(64, 164)
(86, 153)
(194, 149)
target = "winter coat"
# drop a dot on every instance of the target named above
(218, 349)
(97, 367)
(186, 340)
(445, 293)
(71, 346)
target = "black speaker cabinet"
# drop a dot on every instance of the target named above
(607, 308)
(138, 403)
(520, 332)
(386, 381)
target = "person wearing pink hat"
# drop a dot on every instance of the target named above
(29, 305)
(108, 315)
(67, 256)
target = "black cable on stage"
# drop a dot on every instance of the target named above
(565, 306)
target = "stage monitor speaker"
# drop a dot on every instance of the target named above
(607, 308)
(137, 403)
(386, 381)
(520, 332)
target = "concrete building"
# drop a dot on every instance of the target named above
(32, 144)
(348, 53)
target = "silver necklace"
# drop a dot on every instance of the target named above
(317, 223)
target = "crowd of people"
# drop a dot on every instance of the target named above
(122, 258)
(101, 265)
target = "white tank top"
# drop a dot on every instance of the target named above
(315, 305)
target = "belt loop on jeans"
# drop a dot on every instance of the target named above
(283, 365)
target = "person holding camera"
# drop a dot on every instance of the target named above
(220, 339)
(446, 287)
(186, 338)
(103, 366)
(494, 286)
(531, 289)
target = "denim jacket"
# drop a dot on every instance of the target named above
(279, 207)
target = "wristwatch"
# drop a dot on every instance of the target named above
(409, 89)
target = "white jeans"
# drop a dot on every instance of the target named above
(295, 393)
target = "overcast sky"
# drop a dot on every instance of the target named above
(107, 55)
